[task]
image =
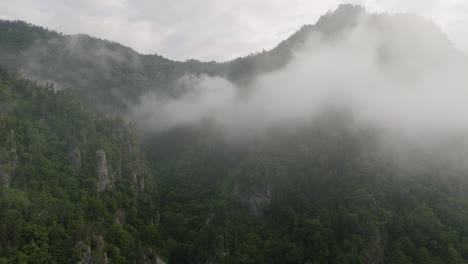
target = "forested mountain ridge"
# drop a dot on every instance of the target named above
(326, 189)
(326, 194)
(109, 77)
(71, 182)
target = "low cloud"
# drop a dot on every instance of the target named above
(398, 73)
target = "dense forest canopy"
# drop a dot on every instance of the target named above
(68, 178)
(317, 151)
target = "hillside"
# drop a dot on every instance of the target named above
(73, 186)
(110, 78)
(317, 151)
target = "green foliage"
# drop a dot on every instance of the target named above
(356, 207)
(334, 199)
(107, 76)
(48, 206)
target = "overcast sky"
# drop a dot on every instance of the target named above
(212, 29)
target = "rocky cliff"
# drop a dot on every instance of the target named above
(105, 182)
(128, 164)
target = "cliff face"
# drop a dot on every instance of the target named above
(135, 169)
(129, 164)
(152, 258)
(256, 199)
(92, 255)
(95, 253)
(104, 181)
(71, 182)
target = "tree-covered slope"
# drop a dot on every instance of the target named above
(105, 75)
(327, 193)
(323, 190)
(74, 186)
(109, 77)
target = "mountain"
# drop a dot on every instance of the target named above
(328, 188)
(109, 77)
(74, 186)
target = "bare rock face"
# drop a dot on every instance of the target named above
(257, 199)
(151, 257)
(137, 175)
(100, 252)
(120, 217)
(128, 165)
(85, 252)
(136, 170)
(89, 255)
(104, 180)
(75, 157)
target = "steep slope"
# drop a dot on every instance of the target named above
(74, 186)
(109, 77)
(323, 190)
(327, 188)
(328, 193)
(106, 76)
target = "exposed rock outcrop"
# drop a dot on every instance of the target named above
(136, 170)
(104, 180)
(256, 199)
(95, 255)
(100, 253)
(127, 164)
(120, 217)
(152, 258)
(85, 253)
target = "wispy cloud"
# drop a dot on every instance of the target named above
(399, 74)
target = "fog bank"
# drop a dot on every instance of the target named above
(397, 72)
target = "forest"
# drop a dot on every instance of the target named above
(82, 179)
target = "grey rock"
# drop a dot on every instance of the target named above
(151, 257)
(85, 252)
(120, 217)
(104, 181)
(256, 200)
(95, 255)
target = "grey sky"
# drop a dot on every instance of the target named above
(212, 29)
